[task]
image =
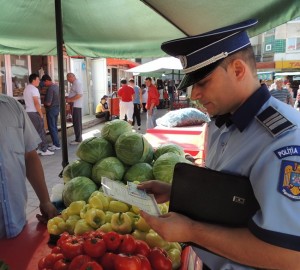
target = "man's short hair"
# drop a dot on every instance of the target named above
(46, 77)
(131, 80)
(123, 81)
(148, 79)
(32, 77)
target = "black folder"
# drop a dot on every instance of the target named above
(212, 196)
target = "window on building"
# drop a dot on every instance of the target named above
(19, 74)
(293, 44)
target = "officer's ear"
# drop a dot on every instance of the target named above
(239, 68)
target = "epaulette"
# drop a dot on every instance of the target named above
(274, 121)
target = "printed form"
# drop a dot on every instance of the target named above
(130, 195)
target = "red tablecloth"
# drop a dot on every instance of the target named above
(191, 139)
(24, 251)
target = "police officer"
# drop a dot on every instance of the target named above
(252, 134)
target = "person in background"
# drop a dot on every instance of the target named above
(51, 103)
(137, 103)
(144, 96)
(152, 102)
(290, 89)
(32, 99)
(253, 135)
(76, 97)
(19, 160)
(166, 98)
(102, 109)
(281, 93)
(126, 95)
(297, 101)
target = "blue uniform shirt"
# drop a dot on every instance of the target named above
(261, 141)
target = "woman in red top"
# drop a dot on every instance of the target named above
(152, 102)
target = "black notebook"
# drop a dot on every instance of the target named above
(211, 196)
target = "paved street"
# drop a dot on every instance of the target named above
(53, 164)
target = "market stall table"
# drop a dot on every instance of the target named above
(24, 251)
(190, 138)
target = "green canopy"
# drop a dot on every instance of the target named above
(126, 28)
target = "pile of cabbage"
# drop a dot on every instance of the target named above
(121, 155)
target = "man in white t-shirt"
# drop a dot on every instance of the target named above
(76, 97)
(33, 108)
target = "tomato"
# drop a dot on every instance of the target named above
(51, 259)
(159, 260)
(127, 244)
(63, 237)
(91, 266)
(112, 240)
(71, 247)
(94, 247)
(124, 262)
(145, 264)
(41, 263)
(56, 249)
(107, 261)
(79, 261)
(61, 264)
(142, 248)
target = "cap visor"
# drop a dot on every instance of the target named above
(196, 76)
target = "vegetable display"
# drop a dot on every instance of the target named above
(99, 232)
(107, 251)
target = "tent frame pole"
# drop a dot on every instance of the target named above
(60, 62)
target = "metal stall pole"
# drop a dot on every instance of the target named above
(60, 58)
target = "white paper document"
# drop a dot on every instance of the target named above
(131, 195)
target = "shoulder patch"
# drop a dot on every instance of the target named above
(289, 179)
(287, 151)
(274, 121)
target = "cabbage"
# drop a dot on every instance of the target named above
(132, 148)
(163, 167)
(139, 172)
(78, 189)
(77, 168)
(109, 167)
(94, 149)
(113, 129)
(167, 148)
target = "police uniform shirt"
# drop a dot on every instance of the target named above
(261, 141)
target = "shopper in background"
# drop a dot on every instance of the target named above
(102, 109)
(297, 100)
(51, 103)
(126, 95)
(137, 103)
(19, 159)
(253, 135)
(76, 98)
(281, 93)
(32, 99)
(152, 102)
(144, 97)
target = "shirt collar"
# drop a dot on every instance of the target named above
(244, 114)
(3, 98)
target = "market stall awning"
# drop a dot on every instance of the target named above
(121, 62)
(126, 28)
(163, 63)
